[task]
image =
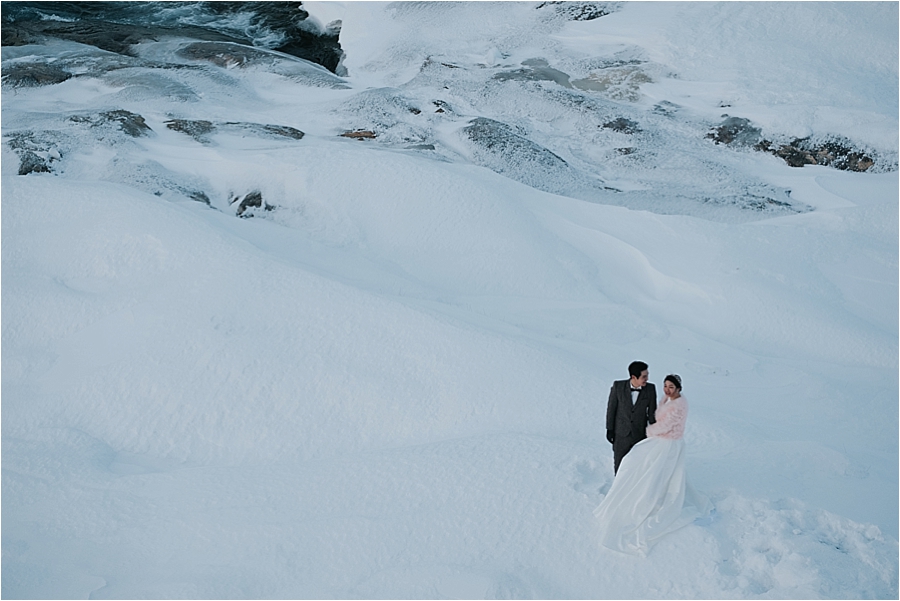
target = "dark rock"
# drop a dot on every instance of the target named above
(580, 11)
(833, 152)
(283, 131)
(503, 150)
(500, 138)
(199, 196)
(29, 162)
(126, 121)
(223, 54)
(11, 36)
(736, 130)
(37, 151)
(260, 130)
(112, 37)
(840, 155)
(666, 108)
(360, 134)
(33, 75)
(250, 201)
(116, 26)
(535, 69)
(836, 153)
(442, 107)
(430, 62)
(170, 186)
(287, 17)
(794, 156)
(199, 130)
(130, 123)
(287, 22)
(228, 55)
(92, 62)
(765, 203)
(758, 198)
(622, 125)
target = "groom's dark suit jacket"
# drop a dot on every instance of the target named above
(626, 420)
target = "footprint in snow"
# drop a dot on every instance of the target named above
(590, 478)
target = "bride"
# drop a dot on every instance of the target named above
(650, 496)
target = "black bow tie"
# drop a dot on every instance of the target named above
(635, 389)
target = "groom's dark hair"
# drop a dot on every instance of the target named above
(636, 368)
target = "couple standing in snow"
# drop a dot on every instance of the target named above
(650, 495)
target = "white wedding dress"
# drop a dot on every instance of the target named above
(650, 496)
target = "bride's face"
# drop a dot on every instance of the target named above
(670, 390)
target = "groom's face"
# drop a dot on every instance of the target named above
(639, 381)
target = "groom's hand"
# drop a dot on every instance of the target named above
(610, 436)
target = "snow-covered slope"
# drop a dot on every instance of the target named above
(241, 361)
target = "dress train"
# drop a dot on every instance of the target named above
(649, 498)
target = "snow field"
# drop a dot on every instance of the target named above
(289, 370)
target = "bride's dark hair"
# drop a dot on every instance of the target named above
(674, 379)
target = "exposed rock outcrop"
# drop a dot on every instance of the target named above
(33, 74)
(202, 130)
(223, 54)
(535, 69)
(580, 11)
(836, 153)
(198, 129)
(360, 134)
(832, 152)
(38, 151)
(230, 55)
(500, 139)
(130, 123)
(736, 130)
(112, 37)
(622, 125)
(117, 26)
(500, 148)
(248, 202)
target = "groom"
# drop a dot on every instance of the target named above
(632, 405)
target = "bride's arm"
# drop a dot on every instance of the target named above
(669, 423)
